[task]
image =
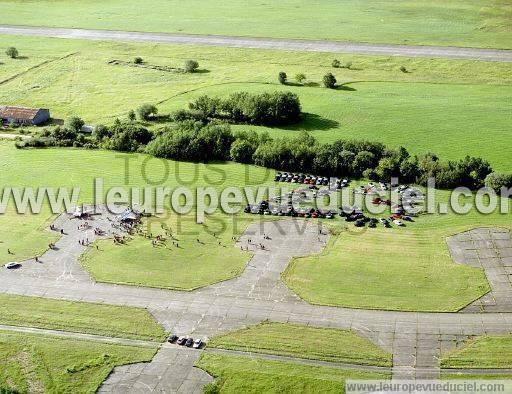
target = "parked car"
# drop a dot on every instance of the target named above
(189, 342)
(181, 341)
(172, 338)
(398, 222)
(277, 178)
(12, 265)
(197, 344)
(359, 223)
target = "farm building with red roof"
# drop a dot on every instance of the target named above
(22, 115)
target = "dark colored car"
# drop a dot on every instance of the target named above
(189, 342)
(359, 223)
(172, 338)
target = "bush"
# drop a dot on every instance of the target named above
(138, 60)
(300, 77)
(12, 52)
(329, 81)
(191, 66)
(242, 151)
(128, 137)
(282, 78)
(336, 63)
(74, 123)
(403, 69)
(131, 115)
(101, 131)
(497, 181)
(146, 111)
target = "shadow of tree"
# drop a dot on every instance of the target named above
(313, 122)
(345, 87)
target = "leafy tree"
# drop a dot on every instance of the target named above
(101, 131)
(329, 81)
(146, 111)
(362, 161)
(497, 181)
(282, 78)
(409, 169)
(336, 63)
(300, 77)
(138, 60)
(131, 115)
(74, 123)
(403, 69)
(191, 66)
(242, 151)
(12, 52)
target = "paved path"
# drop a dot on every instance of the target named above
(415, 339)
(491, 250)
(265, 43)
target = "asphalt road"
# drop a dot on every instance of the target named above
(266, 43)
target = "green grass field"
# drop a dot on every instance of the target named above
(253, 375)
(378, 268)
(352, 266)
(187, 266)
(83, 317)
(453, 22)
(490, 351)
(450, 107)
(35, 363)
(301, 341)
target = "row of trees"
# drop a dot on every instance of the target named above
(269, 109)
(329, 80)
(192, 140)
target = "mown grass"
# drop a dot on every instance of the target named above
(488, 351)
(83, 317)
(403, 269)
(255, 375)
(450, 107)
(301, 341)
(453, 22)
(394, 269)
(39, 363)
(201, 255)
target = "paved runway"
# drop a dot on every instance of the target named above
(266, 43)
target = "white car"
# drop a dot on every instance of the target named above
(12, 265)
(398, 222)
(197, 344)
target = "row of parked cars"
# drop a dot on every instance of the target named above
(186, 341)
(309, 179)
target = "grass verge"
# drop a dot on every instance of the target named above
(301, 341)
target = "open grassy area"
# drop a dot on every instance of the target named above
(378, 268)
(489, 351)
(453, 22)
(253, 375)
(301, 341)
(449, 107)
(404, 269)
(35, 364)
(189, 265)
(83, 317)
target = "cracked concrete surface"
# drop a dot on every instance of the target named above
(415, 339)
(491, 250)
